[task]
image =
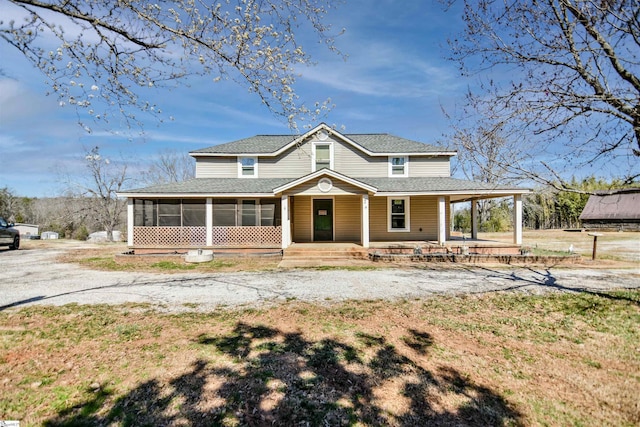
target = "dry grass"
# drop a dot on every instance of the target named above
(500, 359)
(107, 257)
(615, 249)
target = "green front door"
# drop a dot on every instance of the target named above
(322, 220)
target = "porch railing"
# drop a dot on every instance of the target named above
(180, 237)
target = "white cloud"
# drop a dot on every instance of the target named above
(384, 71)
(19, 104)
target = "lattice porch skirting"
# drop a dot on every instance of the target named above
(184, 237)
(246, 236)
(175, 237)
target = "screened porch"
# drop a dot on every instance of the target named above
(211, 222)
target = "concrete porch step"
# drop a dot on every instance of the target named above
(315, 252)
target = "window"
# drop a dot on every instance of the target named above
(246, 212)
(224, 212)
(169, 212)
(194, 212)
(398, 166)
(269, 212)
(247, 167)
(322, 154)
(399, 214)
(145, 213)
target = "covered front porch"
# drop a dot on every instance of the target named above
(379, 223)
(324, 206)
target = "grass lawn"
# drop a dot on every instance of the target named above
(612, 245)
(497, 359)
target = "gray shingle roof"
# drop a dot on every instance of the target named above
(385, 143)
(203, 186)
(259, 144)
(215, 186)
(430, 184)
(267, 144)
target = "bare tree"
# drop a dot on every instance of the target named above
(574, 92)
(170, 166)
(104, 180)
(484, 155)
(106, 52)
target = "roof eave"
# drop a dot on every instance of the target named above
(166, 195)
(469, 192)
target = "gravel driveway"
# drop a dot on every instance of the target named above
(35, 277)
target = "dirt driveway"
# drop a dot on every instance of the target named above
(35, 277)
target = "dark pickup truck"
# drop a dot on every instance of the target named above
(9, 236)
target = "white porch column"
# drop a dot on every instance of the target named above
(209, 221)
(130, 219)
(286, 222)
(474, 219)
(517, 219)
(365, 221)
(442, 223)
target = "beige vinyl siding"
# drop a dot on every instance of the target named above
(347, 211)
(423, 214)
(293, 163)
(217, 167)
(301, 219)
(296, 162)
(429, 166)
(355, 163)
(378, 219)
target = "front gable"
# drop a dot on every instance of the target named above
(325, 182)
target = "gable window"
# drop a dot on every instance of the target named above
(398, 166)
(322, 156)
(398, 214)
(247, 167)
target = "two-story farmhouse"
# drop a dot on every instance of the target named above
(322, 186)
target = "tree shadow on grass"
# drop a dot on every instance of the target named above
(272, 377)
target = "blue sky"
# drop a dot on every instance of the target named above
(395, 80)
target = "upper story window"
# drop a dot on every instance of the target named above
(398, 166)
(247, 167)
(322, 156)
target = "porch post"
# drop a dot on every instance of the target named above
(442, 223)
(474, 219)
(209, 221)
(365, 221)
(517, 219)
(130, 219)
(286, 222)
